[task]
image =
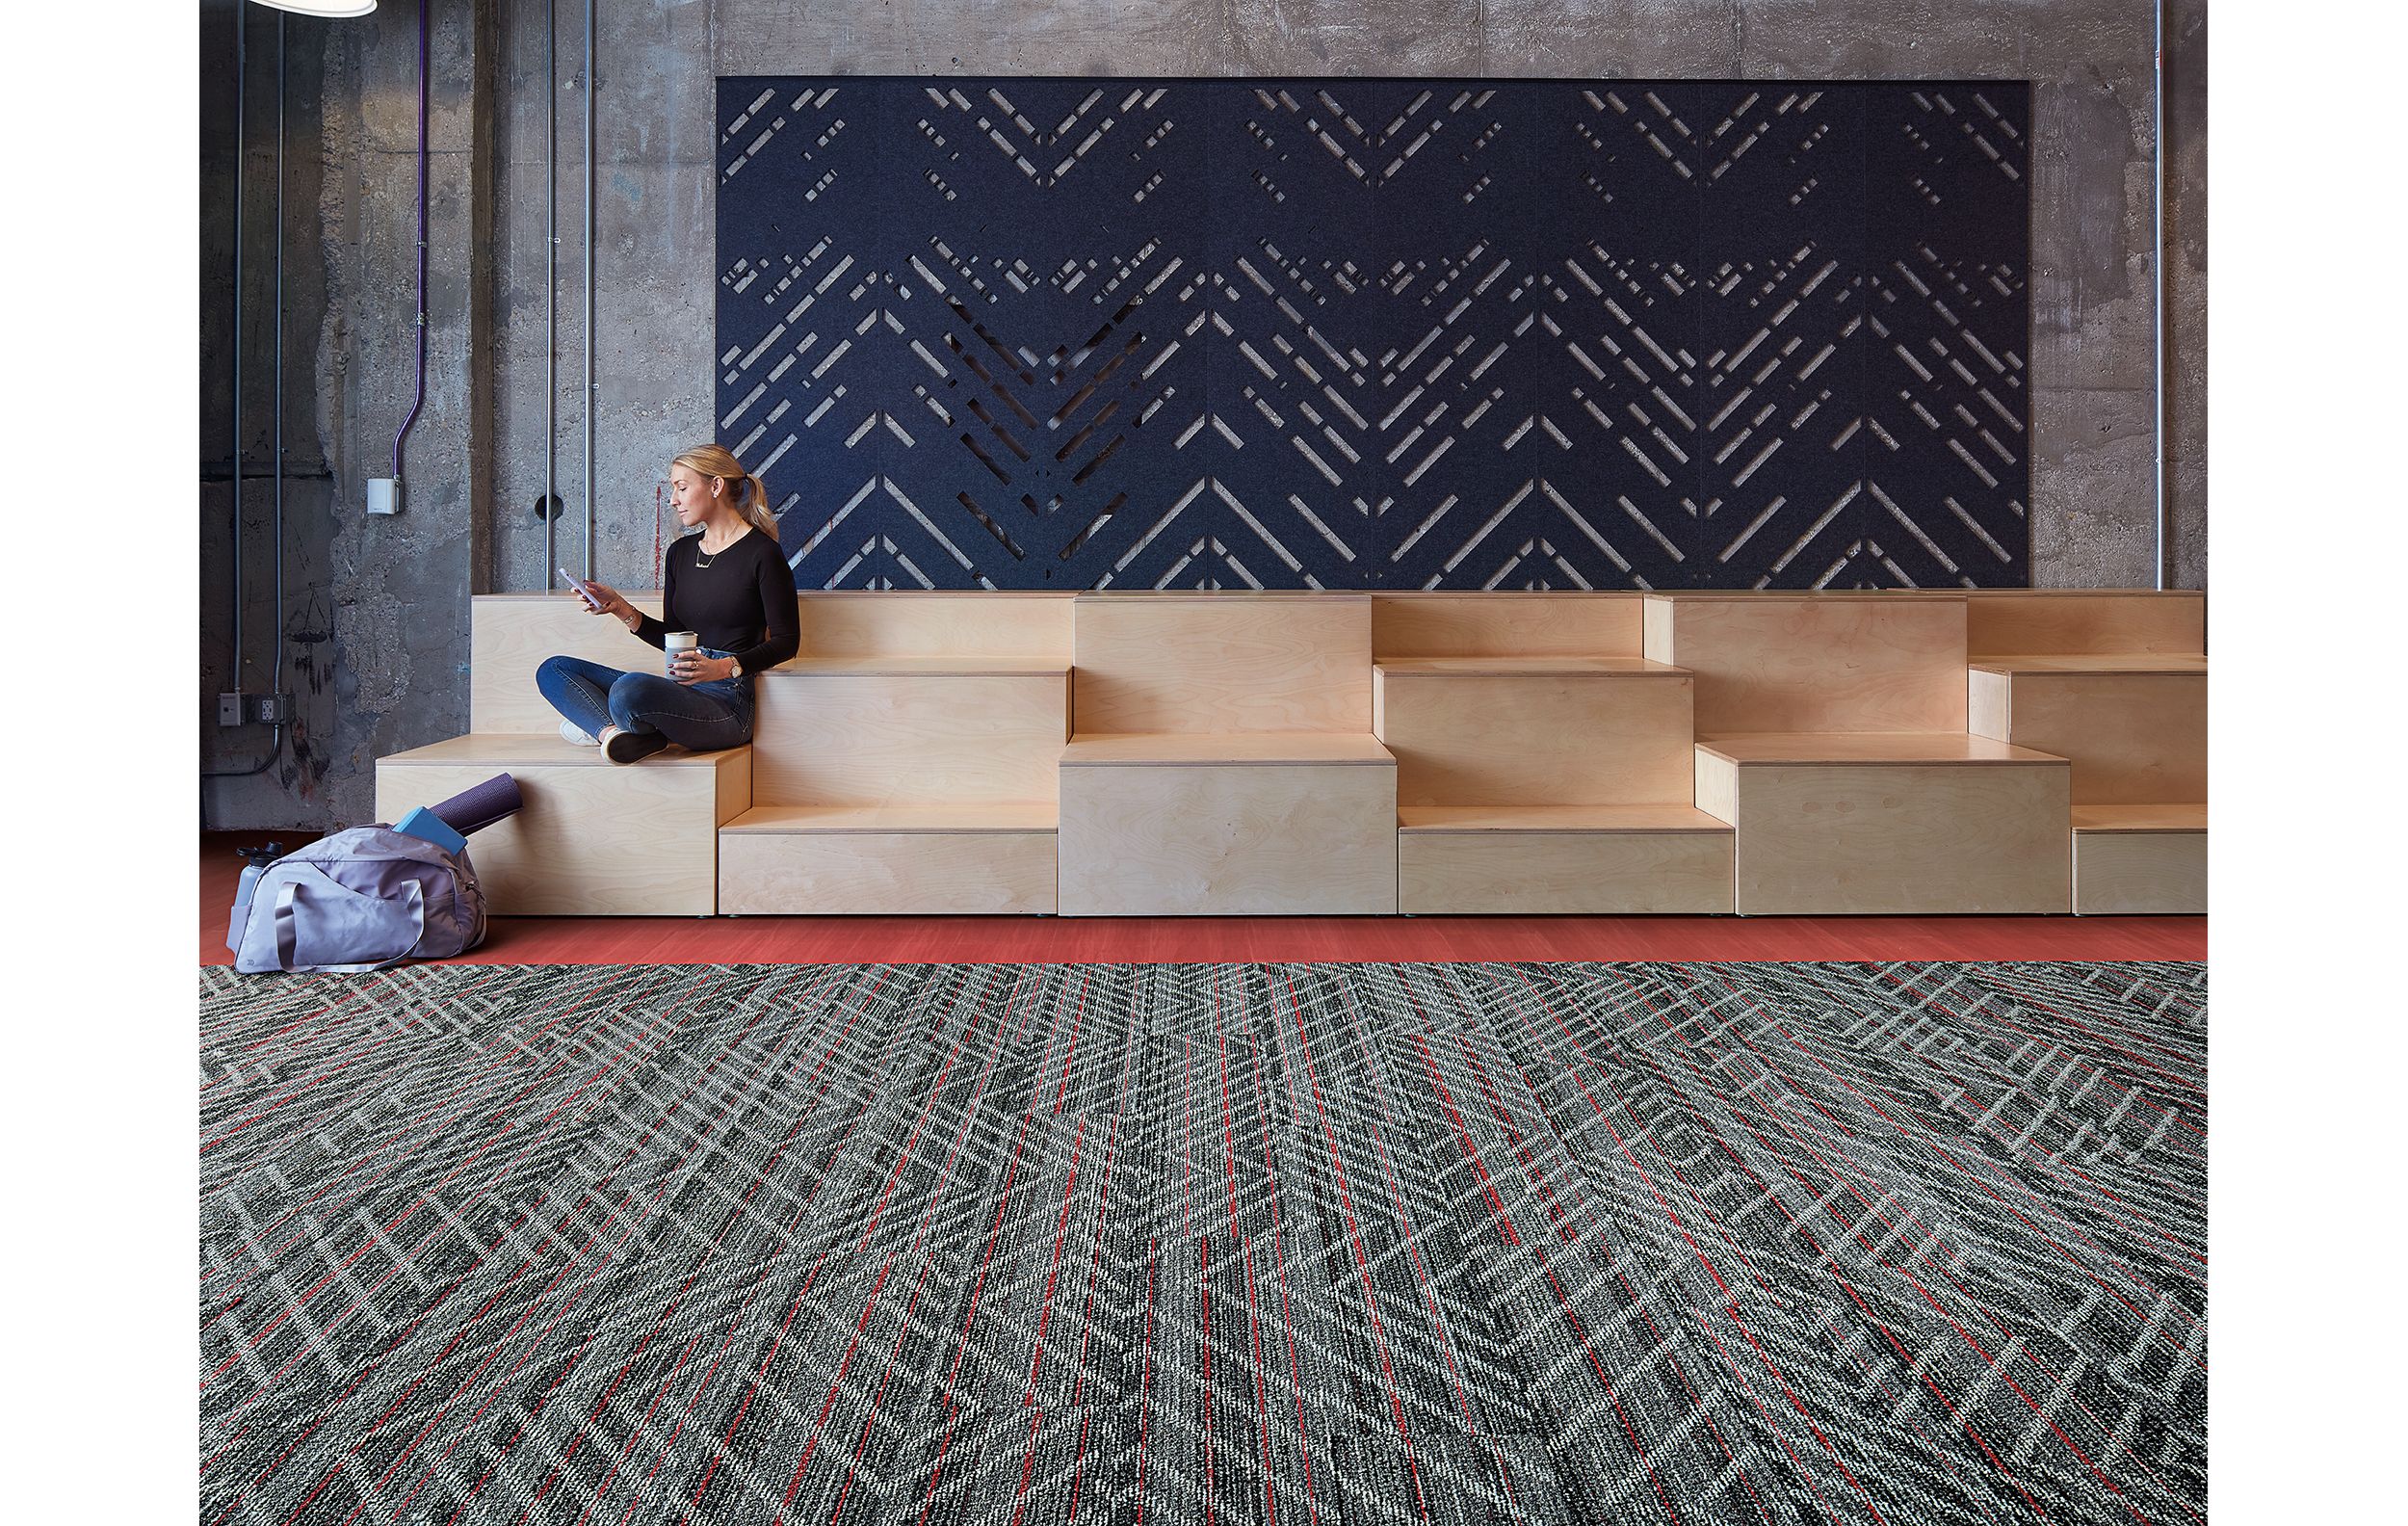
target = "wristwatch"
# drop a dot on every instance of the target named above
(735, 667)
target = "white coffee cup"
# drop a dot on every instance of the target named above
(676, 641)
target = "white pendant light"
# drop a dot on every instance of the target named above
(322, 7)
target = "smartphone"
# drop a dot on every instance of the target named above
(578, 583)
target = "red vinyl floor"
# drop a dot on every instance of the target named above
(1130, 940)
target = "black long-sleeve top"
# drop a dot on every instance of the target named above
(742, 603)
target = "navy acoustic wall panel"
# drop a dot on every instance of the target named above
(1074, 333)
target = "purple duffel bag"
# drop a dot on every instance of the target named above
(362, 899)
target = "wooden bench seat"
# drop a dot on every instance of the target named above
(594, 838)
(1189, 753)
(1890, 823)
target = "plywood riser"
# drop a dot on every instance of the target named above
(929, 624)
(1495, 625)
(1894, 839)
(1231, 663)
(591, 841)
(888, 740)
(1542, 873)
(898, 873)
(1254, 840)
(1498, 739)
(2075, 621)
(2146, 874)
(1815, 663)
(2132, 738)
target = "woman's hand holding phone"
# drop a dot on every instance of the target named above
(602, 600)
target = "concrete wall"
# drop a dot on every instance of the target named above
(376, 614)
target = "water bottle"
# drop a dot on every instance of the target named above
(256, 862)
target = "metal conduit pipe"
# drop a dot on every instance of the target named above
(275, 684)
(2157, 268)
(589, 386)
(419, 402)
(241, 12)
(275, 736)
(551, 286)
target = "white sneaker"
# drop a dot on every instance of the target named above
(573, 735)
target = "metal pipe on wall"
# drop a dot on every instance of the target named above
(589, 387)
(2156, 269)
(275, 735)
(551, 284)
(420, 402)
(241, 12)
(275, 684)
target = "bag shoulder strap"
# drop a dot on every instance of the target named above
(286, 937)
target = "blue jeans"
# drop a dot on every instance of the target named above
(700, 718)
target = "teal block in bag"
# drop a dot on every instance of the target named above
(424, 824)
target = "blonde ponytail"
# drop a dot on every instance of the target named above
(752, 496)
(755, 503)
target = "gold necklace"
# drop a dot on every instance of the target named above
(703, 558)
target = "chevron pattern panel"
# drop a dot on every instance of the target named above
(1045, 333)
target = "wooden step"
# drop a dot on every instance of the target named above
(1534, 731)
(2142, 858)
(1504, 624)
(1899, 824)
(910, 730)
(1220, 824)
(1223, 662)
(1511, 666)
(939, 860)
(1015, 816)
(1533, 860)
(1814, 662)
(2142, 817)
(2135, 725)
(1865, 747)
(2072, 621)
(1666, 818)
(1207, 749)
(498, 751)
(593, 838)
(2088, 663)
(949, 665)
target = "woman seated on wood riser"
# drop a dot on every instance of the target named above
(730, 585)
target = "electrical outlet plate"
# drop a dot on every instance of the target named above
(231, 709)
(272, 709)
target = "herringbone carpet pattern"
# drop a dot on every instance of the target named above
(1764, 1242)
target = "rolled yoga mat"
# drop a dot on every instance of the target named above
(479, 805)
